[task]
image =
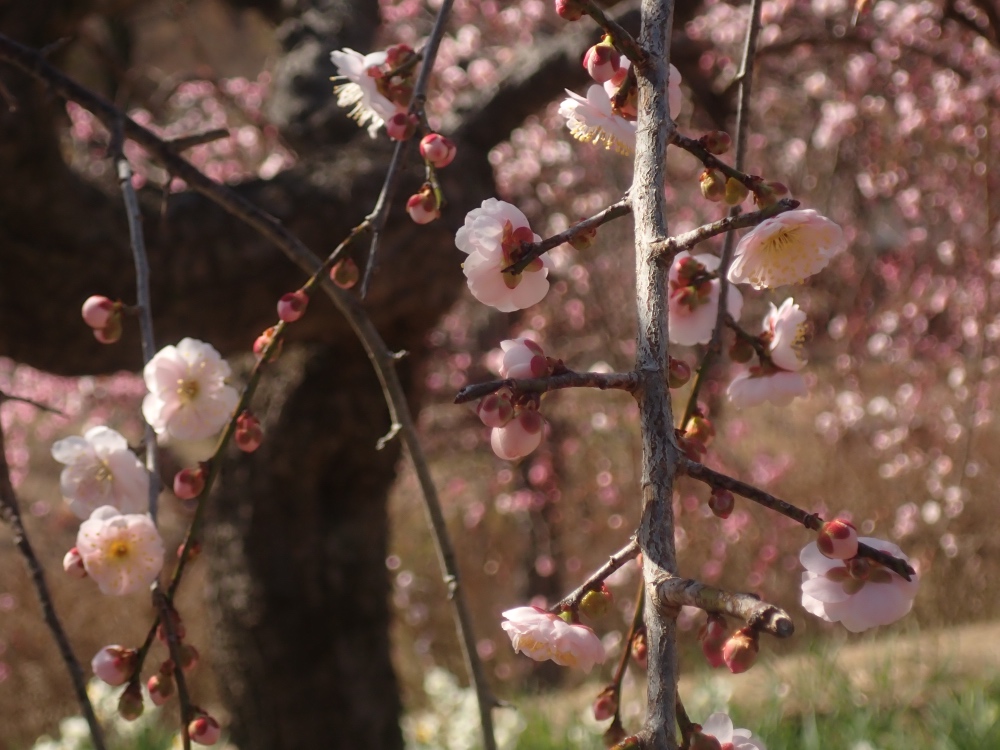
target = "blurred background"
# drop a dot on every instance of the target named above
(318, 597)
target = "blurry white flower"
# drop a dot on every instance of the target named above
(788, 331)
(543, 636)
(101, 470)
(361, 88)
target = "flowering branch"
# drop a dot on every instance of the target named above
(10, 512)
(811, 521)
(688, 240)
(626, 381)
(164, 606)
(572, 601)
(536, 249)
(756, 613)
(377, 218)
(694, 147)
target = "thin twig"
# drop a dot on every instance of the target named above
(190, 141)
(164, 607)
(10, 511)
(533, 250)
(572, 601)
(811, 521)
(673, 245)
(626, 381)
(31, 402)
(761, 615)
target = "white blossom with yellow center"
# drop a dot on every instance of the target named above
(122, 553)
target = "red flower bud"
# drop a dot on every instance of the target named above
(292, 306)
(437, 150)
(249, 434)
(740, 651)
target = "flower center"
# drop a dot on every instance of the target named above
(102, 473)
(187, 390)
(118, 549)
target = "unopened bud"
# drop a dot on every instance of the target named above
(700, 429)
(602, 61)
(189, 483)
(713, 185)
(292, 306)
(838, 539)
(188, 656)
(345, 273)
(569, 10)
(741, 351)
(73, 564)
(640, 649)
(768, 193)
(263, 341)
(713, 637)
(160, 688)
(248, 435)
(423, 206)
(437, 150)
(495, 410)
(740, 651)
(401, 126)
(111, 332)
(716, 142)
(114, 664)
(606, 704)
(583, 238)
(678, 373)
(204, 730)
(722, 502)
(99, 310)
(736, 192)
(596, 603)
(130, 706)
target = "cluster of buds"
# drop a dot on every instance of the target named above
(737, 650)
(104, 317)
(394, 78)
(602, 61)
(517, 425)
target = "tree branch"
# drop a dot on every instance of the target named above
(748, 607)
(625, 381)
(670, 247)
(572, 601)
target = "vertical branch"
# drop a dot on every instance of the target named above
(11, 513)
(659, 448)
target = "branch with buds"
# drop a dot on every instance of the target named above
(624, 381)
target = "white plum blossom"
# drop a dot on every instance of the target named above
(694, 302)
(101, 470)
(786, 249)
(857, 593)
(188, 397)
(361, 89)
(720, 726)
(122, 553)
(788, 332)
(591, 120)
(492, 238)
(754, 387)
(543, 636)
(522, 358)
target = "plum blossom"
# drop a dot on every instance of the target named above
(188, 397)
(694, 298)
(522, 358)
(492, 238)
(361, 90)
(754, 387)
(592, 120)
(857, 593)
(788, 330)
(122, 553)
(786, 249)
(720, 726)
(101, 470)
(543, 636)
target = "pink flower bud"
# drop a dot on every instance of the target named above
(596, 603)
(519, 437)
(98, 311)
(160, 688)
(713, 637)
(263, 341)
(423, 206)
(130, 705)
(602, 61)
(495, 410)
(111, 332)
(740, 651)
(189, 657)
(73, 564)
(437, 150)
(716, 142)
(678, 373)
(722, 503)
(569, 10)
(204, 730)
(640, 649)
(401, 126)
(189, 483)
(345, 273)
(248, 435)
(838, 539)
(292, 306)
(606, 705)
(114, 664)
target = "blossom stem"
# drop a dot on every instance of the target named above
(742, 333)
(757, 614)
(164, 607)
(811, 521)
(626, 381)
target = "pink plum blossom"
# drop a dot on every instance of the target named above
(592, 120)
(358, 88)
(188, 397)
(694, 299)
(754, 387)
(98, 311)
(518, 437)
(543, 636)
(788, 331)
(720, 726)
(522, 358)
(857, 593)
(122, 553)
(101, 470)
(492, 238)
(786, 249)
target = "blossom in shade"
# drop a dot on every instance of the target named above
(754, 387)
(522, 358)
(694, 298)
(518, 437)
(122, 553)
(787, 329)
(101, 470)
(543, 636)
(492, 237)
(114, 664)
(591, 120)
(188, 397)
(204, 730)
(358, 87)
(858, 593)
(786, 249)
(720, 727)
